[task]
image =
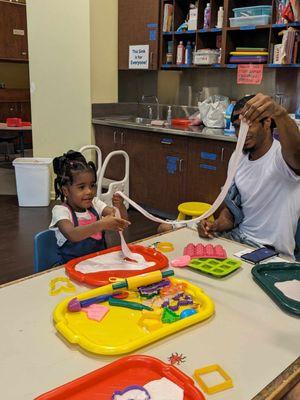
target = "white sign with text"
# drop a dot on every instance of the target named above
(139, 57)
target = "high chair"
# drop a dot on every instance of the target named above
(109, 185)
(193, 209)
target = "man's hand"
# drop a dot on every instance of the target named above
(207, 229)
(260, 107)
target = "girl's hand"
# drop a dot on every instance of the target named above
(117, 200)
(111, 223)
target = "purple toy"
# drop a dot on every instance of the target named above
(135, 392)
(154, 287)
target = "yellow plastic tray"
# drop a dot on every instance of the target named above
(119, 332)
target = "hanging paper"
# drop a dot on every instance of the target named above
(139, 57)
(250, 74)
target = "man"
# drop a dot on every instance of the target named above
(267, 179)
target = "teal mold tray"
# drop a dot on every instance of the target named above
(266, 275)
(217, 268)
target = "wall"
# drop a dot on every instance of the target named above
(104, 50)
(59, 54)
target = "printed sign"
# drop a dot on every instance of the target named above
(139, 57)
(19, 32)
(250, 74)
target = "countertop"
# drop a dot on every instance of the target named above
(191, 131)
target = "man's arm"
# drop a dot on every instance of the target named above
(262, 106)
(225, 222)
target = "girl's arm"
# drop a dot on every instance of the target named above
(118, 202)
(79, 233)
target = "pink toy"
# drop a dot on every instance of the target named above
(181, 262)
(96, 312)
(205, 251)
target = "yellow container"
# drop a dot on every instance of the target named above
(193, 209)
(121, 330)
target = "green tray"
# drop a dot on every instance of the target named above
(218, 268)
(266, 275)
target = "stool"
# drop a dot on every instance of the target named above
(193, 209)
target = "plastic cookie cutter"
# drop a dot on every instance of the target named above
(55, 289)
(181, 262)
(227, 384)
(165, 247)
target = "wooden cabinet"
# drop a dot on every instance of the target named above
(166, 170)
(138, 25)
(13, 32)
(15, 103)
(207, 168)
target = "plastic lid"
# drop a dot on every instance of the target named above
(32, 161)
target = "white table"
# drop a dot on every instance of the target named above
(249, 336)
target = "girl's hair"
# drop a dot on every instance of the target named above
(66, 166)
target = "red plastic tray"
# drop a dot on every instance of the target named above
(102, 278)
(205, 251)
(127, 371)
(181, 121)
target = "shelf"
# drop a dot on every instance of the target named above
(280, 26)
(184, 66)
(248, 28)
(15, 60)
(284, 65)
(212, 30)
(179, 33)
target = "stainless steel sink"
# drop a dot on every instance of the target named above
(129, 119)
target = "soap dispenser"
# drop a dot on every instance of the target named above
(169, 116)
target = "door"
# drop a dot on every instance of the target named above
(207, 168)
(138, 25)
(13, 32)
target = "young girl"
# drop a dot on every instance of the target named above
(81, 220)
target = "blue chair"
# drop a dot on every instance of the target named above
(45, 251)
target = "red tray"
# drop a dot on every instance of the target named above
(102, 278)
(127, 371)
(181, 121)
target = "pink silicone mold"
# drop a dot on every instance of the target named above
(205, 251)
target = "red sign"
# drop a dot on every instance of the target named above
(250, 74)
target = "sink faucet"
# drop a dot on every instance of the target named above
(144, 97)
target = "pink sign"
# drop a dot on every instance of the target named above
(250, 74)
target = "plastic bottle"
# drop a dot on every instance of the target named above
(180, 53)
(207, 16)
(169, 116)
(188, 54)
(220, 17)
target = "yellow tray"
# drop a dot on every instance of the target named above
(120, 332)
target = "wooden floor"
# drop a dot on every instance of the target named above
(19, 225)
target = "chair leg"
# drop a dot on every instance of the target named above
(181, 217)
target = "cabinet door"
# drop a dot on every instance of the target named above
(13, 32)
(164, 157)
(138, 25)
(207, 168)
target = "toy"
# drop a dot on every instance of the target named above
(217, 268)
(181, 261)
(76, 305)
(176, 358)
(128, 304)
(227, 384)
(205, 251)
(69, 287)
(135, 392)
(169, 316)
(165, 247)
(154, 288)
(135, 282)
(187, 313)
(96, 311)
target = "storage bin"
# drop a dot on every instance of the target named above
(252, 11)
(253, 21)
(33, 181)
(206, 57)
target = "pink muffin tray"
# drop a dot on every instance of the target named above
(205, 251)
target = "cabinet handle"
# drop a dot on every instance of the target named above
(24, 53)
(222, 154)
(180, 164)
(122, 138)
(151, 58)
(115, 137)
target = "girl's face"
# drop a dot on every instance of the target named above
(80, 194)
